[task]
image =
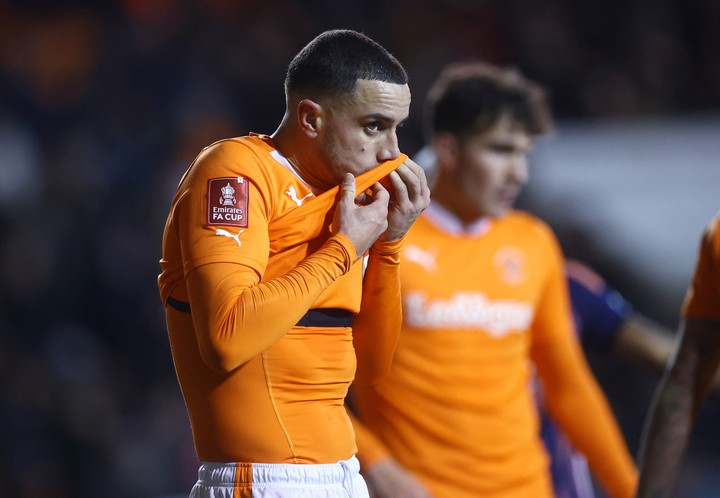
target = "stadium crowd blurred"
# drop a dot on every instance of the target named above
(104, 104)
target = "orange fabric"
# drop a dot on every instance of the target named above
(703, 297)
(375, 334)
(457, 409)
(243, 481)
(257, 388)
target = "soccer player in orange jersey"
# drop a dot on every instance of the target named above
(265, 297)
(684, 389)
(485, 306)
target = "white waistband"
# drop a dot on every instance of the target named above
(220, 473)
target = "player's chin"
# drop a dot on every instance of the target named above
(504, 205)
(500, 210)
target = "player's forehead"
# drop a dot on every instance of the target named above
(379, 98)
(506, 129)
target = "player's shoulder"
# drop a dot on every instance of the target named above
(710, 240)
(249, 157)
(528, 230)
(236, 151)
(712, 230)
(528, 223)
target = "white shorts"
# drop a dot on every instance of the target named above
(271, 480)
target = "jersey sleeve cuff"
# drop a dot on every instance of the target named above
(348, 249)
(384, 248)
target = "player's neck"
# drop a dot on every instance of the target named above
(454, 202)
(301, 157)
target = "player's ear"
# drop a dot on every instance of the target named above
(310, 117)
(447, 151)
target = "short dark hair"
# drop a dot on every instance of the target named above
(469, 97)
(332, 63)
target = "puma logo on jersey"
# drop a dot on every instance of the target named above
(293, 195)
(225, 233)
(426, 259)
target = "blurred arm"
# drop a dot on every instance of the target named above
(643, 341)
(678, 400)
(385, 477)
(576, 402)
(572, 395)
(603, 315)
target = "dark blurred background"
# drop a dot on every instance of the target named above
(103, 104)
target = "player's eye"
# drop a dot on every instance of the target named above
(504, 148)
(373, 127)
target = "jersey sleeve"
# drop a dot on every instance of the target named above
(703, 297)
(572, 395)
(553, 316)
(376, 328)
(223, 208)
(574, 399)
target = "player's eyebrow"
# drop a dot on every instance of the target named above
(377, 117)
(382, 117)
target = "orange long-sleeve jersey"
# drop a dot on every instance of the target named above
(482, 308)
(703, 296)
(248, 249)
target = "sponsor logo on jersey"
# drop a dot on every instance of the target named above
(467, 310)
(228, 201)
(293, 195)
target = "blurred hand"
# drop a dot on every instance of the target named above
(715, 387)
(363, 221)
(387, 479)
(409, 196)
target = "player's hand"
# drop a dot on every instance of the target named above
(362, 221)
(409, 196)
(387, 479)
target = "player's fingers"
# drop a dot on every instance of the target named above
(399, 187)
(379, 198)
(380, 193)
(366, 197)
(422, 178)
(408, 190)
(347, 188)
(413, 178)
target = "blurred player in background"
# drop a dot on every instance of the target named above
(684, 388)
(602, 317)
(485, 306)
